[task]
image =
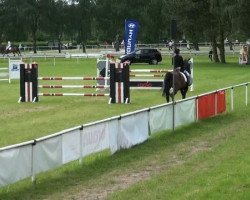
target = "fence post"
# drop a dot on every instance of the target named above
(232, 99)
(246, 93)
(80, 159)
(216, 103)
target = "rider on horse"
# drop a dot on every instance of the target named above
(8, 47)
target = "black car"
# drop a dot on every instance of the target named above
(151, 56)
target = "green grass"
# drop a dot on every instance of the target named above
(53, 114)
(205, 160)
(212, 165)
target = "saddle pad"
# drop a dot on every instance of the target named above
(185, 78)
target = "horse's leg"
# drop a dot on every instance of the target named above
(167, 98)
(184, 92)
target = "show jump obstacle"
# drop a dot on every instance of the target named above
(140, 78)
(119, 84)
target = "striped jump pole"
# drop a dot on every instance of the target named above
(72, 78)
(149, 70)
(119, 84)
(73, 86)
(147, 75)
(73, 94)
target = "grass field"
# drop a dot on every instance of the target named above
(206, 160)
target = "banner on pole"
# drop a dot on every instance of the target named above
(131, 29)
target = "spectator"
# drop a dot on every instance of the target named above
(188, 45)
(170, 45)
(210, 55)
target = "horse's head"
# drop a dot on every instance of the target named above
(187, 65)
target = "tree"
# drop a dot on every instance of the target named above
(54, 20)
(33, 10)
(155, 18)
(84, 21)
(240, 19)
(12, 24)
(208, 18)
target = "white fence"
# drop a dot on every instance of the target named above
(4, 74)
(98, 50)
(27, 159)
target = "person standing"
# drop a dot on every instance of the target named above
(210, 55)
(170, 45)
(188, 45)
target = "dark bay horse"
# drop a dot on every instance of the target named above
(180, 82)
(13, 49)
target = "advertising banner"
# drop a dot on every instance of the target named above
(14, 68)
(131, 29)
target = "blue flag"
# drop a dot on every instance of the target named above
(131, 29)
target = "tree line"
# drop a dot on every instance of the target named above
(99, 21)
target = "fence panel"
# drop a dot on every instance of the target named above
(161, 118)
(133, 130)
(15, 164)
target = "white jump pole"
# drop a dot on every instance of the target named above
(232, 99)
(246, 93)
(192, 74)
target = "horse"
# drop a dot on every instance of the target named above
(180, 82)
(13, 49)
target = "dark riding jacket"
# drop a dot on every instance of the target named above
(177, 61)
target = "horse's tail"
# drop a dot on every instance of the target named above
(167, 84)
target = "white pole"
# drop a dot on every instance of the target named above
(33, 177)
(197, 109)
(216, 100)
(173, 64)
(81, 132)
(232, 99)
(246, 93)
(106, 72)
(192, 74)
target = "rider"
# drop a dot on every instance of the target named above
(8, 46)
(182, 66)
(177, 60)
